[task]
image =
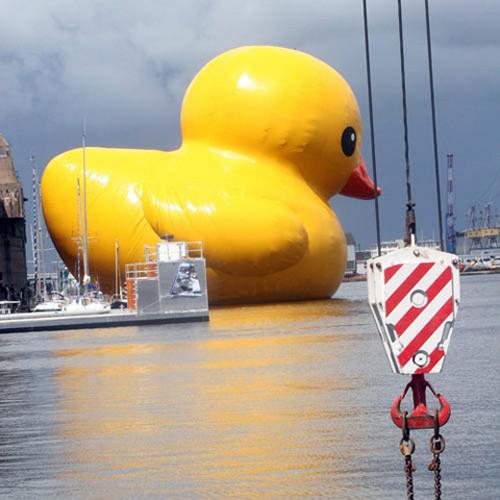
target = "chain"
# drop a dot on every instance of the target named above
(437, 445)
(435, 466)
(409, 468)
(407, 447)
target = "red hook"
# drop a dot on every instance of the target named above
(420, 417)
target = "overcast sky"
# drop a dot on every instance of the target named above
(125, 65)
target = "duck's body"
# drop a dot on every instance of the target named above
(264, 148)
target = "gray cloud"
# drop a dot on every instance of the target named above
(125, 66)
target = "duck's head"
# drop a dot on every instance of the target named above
(272, 101)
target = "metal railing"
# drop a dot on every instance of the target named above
(174, 250)
(140, 270)
(168, 252)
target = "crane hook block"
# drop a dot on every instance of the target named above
(414, 294)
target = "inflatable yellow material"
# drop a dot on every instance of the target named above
(269, 134)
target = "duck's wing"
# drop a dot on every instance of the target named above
(241, 234)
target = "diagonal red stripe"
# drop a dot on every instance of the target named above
(434, 359)
(391, 271)
(432, 325)
(403, 289)
(440, 282)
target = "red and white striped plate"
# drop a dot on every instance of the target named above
(414, 295)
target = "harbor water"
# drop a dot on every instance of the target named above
(277, 400)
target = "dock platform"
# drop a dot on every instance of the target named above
(33, 322)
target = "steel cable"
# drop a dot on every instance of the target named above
(372, 130)
(411, 229)
(434, 132)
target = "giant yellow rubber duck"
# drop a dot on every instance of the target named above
(269, 135)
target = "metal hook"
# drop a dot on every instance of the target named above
(437, 443)
(406, 445)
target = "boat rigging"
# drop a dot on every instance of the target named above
(85, 250)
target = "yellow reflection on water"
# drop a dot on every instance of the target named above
(234, 317)
(243, 408)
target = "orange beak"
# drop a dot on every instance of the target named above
(359, 185)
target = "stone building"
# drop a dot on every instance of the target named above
(13, 279)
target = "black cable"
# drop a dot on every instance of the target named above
(434, 133)
(410, 212)
(372, 131)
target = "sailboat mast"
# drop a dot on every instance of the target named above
(34, 246)
(38, 251)
(86, 275)
(79, 236)
(118, 287)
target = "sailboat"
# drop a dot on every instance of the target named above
(90, 301)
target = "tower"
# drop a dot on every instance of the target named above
(451, 236)
(13, 278)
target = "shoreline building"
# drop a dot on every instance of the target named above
(13, 276)
(350, 268)
(386, 247)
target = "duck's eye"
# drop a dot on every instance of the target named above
(348, 141)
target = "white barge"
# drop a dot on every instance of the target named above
(169, 287)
